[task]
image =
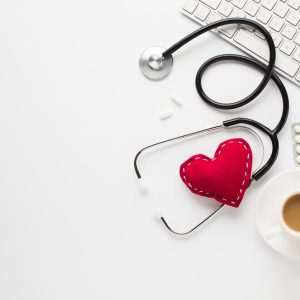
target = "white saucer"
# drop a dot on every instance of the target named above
(268, 211)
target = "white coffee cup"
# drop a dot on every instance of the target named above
(282, 227)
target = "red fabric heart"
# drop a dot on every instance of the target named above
(224, 177)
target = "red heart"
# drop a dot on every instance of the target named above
(224, 177)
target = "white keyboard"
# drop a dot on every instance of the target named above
(280, 17)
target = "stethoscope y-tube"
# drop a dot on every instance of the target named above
(268, 71)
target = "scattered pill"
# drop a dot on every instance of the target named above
(297, 138)
(298, 159)
(176, 101)
(297, 128)
(166, 114)
(298, 149)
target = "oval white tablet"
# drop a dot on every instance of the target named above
(298, 149)
(298, 159)
(297, 138)
(165, 114)
(176, 100)
(297, 128)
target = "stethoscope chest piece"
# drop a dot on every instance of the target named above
(153, 65)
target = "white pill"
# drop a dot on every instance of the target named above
(298, 149)
(297, 138)
(142, 185)
(298, 159)
(166, 114)
(297, 128)
(176, 101)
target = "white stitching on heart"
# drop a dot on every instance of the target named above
(219, 152)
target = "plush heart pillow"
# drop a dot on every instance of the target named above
(225, 177)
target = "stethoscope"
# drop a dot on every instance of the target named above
(156, 63)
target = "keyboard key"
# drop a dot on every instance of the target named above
(289, 32)
(236, 13)
(293, 18)
(239, 3)
(297, 39)
(263, 16)
(212, 3)
(248, 27)
(268, 4)
(213, 17)
(202, 12)
(228, 30)
(225, 9)
(259, 47)
(296, 55)
(294, 4)
(276, 38)
(276, 24)
(251, 8)
(281, 10)
(259, 34)
(190, 6)
(287, 47)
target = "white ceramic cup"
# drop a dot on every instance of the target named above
(282, 227)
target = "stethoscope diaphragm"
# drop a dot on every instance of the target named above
(154, 65)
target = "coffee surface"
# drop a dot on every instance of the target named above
(291, 212)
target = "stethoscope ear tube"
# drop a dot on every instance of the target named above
(234, 123)
(212, 128)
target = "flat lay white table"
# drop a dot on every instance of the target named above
(74, 110)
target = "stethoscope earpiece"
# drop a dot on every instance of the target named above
(154, 65)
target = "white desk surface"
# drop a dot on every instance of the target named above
(74, 110)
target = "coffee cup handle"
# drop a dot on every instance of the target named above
(276, 230)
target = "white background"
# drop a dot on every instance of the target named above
(74, 110)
